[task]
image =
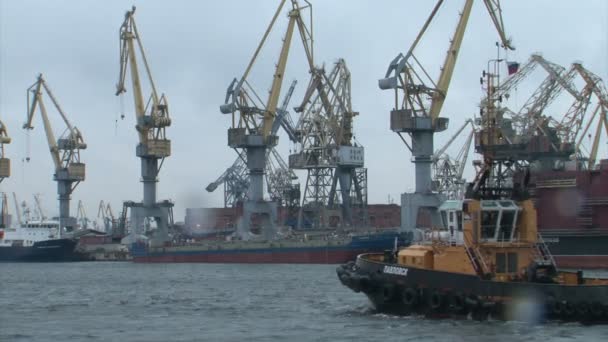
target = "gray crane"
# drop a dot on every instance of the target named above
(69, 171)
(253, 120)
(281, 181)
(326, 149)
(419, 100)
(152, 118)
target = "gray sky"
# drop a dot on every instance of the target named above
(196, 48)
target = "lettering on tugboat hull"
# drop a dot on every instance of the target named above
(395, 270)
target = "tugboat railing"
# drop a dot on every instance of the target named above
(476, 258)
(543, 250)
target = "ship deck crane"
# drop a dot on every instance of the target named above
(5, 163)
(41, 215)
(17, 209)
(413, 115)
(69, 170)
(253, 119)
(152, 118)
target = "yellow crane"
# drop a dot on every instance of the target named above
(597, 87)
(418, 103)
(253, 120)
(69, 171)
(152, 117)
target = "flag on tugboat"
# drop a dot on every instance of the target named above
(512, 67)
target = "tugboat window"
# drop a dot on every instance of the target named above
(489, 221)
(501, 263)
(512, 262)
(506, 225)
(459, 219)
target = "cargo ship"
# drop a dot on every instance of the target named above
(302, 248)
(36, 241)
(572, 214)
(486, 260)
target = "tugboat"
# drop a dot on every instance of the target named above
(486, 259)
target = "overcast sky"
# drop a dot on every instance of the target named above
(195, 48)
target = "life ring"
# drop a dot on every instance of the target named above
(471, 302)
(436, 300)
(583, 309)
(557, 307)
(596, 309)
(344, 279)
(457, 303)
(569, 309)
(409, 297)
(365, 284)
(388, 291)
(480, 314)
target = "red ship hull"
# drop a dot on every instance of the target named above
(572, 209)
(304, 257)
(582, 261)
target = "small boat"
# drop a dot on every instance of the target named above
(485, 261)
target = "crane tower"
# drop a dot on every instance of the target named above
(417, 109)
(65, 151)
(152, 118)
(326, 148)
(253, 121)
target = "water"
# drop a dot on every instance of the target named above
(213, 302)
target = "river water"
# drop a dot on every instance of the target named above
(215, 302)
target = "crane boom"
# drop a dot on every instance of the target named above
(65, 151)
(443, 83)
(149, 126)
(277, 80)
(17, 209)
(450, 61)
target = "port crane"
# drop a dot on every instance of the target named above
(528, 140)
(327, 151)
(69, 171)
(253, 119)
(81, 216)
(448, 171)
(152, 118)
(107, 216)
(5, 163)
(281, 181)
(595, 85)
(414, 88)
